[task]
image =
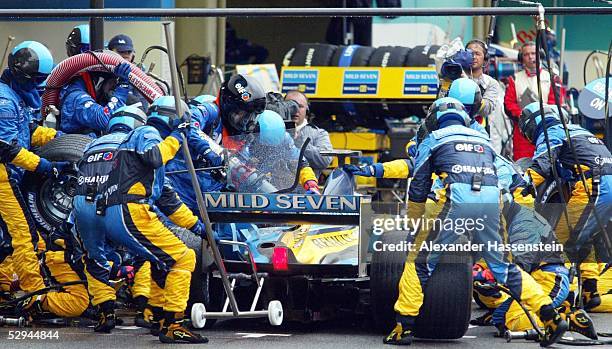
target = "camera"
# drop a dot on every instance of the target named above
(454, 66)
(286, 109)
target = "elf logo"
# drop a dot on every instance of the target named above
(243, 92)
(106, 156)
(469, 147)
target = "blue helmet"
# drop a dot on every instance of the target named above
(162, 113)
(126, 118)
(30, 63)
(531, 118)
(467, 92)
(205, 99)
(271, 128)
(206, 103)
(445, 109)
(78, 40)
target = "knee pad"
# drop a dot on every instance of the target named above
(186, 262)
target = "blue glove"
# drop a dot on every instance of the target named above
(375, 170)
(48, 168)
(212, 159)
(180, 129)
(199, 229)
(123, 72)
(58, 134)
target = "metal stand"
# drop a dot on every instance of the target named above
(199, 314)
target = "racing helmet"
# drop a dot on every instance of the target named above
(127, 118)
(271, 128)
(78, 40)
(30, 63)
(445, 109)
(205, 99)
(467, 92)
(241, 99)
(162, 113)
(207, 104)
(531, 118)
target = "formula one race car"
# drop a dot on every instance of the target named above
(306, 257)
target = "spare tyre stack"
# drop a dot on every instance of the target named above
(389, 56)
(420, 56)
(315, 55)
(361, 112)
(354, 56)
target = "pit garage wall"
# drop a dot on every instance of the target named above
(53, 32)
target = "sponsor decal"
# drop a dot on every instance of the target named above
(243, 92)
(92, 179)
(603, 160)
(595, 140)
(223, 202)
(105, 156)
(469, 147)
(420, 82)
(360, 82)
(472, 169)
(304, 81)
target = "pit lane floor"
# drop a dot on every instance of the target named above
(242, 334)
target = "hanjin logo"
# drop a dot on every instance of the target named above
(472, 169)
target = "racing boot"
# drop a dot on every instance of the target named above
(403, 332)
(580, 322)
(554, 325)
(31, 307)
(174, 331)
(590, 296)
(106, 317)
(143, 313)
(157, 318)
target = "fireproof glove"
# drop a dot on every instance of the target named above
(375, 170)
(123, 72)
(49, 168)
(312, 187)
(199, 229)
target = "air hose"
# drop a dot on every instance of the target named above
(91, 61)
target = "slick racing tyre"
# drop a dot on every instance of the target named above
(385, 273)
(446, 309)
(50, 199)
(389, 56)
(315, 55)
(204, 288)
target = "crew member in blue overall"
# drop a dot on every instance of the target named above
(130, 201)
(88, 101)
(94, 167)
(589, 207)
(29, 63)
(209, 118)
(464, 160)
